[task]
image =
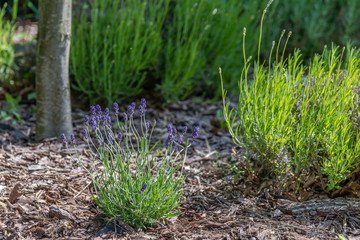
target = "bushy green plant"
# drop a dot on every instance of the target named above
(114, 45)
(298, 118)
(133, 184)
(6, 49)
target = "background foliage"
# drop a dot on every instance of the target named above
(177, 46)
(119, 48)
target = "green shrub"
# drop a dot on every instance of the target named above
(300, 118)
(114, 45)
(6, 49)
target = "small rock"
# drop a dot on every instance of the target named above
(277, 213)
(56, 212)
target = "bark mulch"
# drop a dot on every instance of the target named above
(44, 194)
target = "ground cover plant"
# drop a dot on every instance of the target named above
(134, 185)
(301, 120)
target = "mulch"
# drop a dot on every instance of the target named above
(44, 194)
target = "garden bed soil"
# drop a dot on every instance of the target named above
(44, 194)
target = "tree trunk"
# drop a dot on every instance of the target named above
(53, 115)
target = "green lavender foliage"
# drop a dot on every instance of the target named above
(114, 45)
(6, 49)
(131, 182)
(300, 117)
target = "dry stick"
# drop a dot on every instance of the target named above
(82, 190)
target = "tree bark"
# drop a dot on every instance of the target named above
(53, 115)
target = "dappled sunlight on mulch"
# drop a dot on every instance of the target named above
(45, 194)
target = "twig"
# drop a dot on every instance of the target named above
(82, 190)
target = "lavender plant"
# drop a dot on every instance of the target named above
(301, 118)
(133, 184)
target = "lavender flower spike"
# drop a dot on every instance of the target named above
(142, 188)
(106, 112)
(169, 140)
(72, 137)
(92, 111)
(63, 138)
(142, 107)
(147, 126)
(98, 110)
(131, 111)
(86, 135)
(86, 120)
(116, 108)
(169, 128)
(119, 136)
(195, 134)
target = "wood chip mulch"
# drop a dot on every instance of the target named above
(44, 194)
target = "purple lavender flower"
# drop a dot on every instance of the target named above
(92, 111)
(154, 122)
(174, 131)
(100, 140)
(86, 135)
(169, 140)
(63, 138)
(185, 129)
(93, 123)
(142, 107)
(141, 110)
(195, 134)
(72, 137)
(108, 118)
(119, 136)
(180, 139)
(133, 105)
(169, 128)
(125, 116)
(110, 139)
(130, 111)
(142, 188)
(123, 153)
(116, 108)
(86, 120)
(147, 126)
(98, 110)
(102, 120)
(106, 112)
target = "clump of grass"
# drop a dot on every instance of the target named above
(301, 118)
